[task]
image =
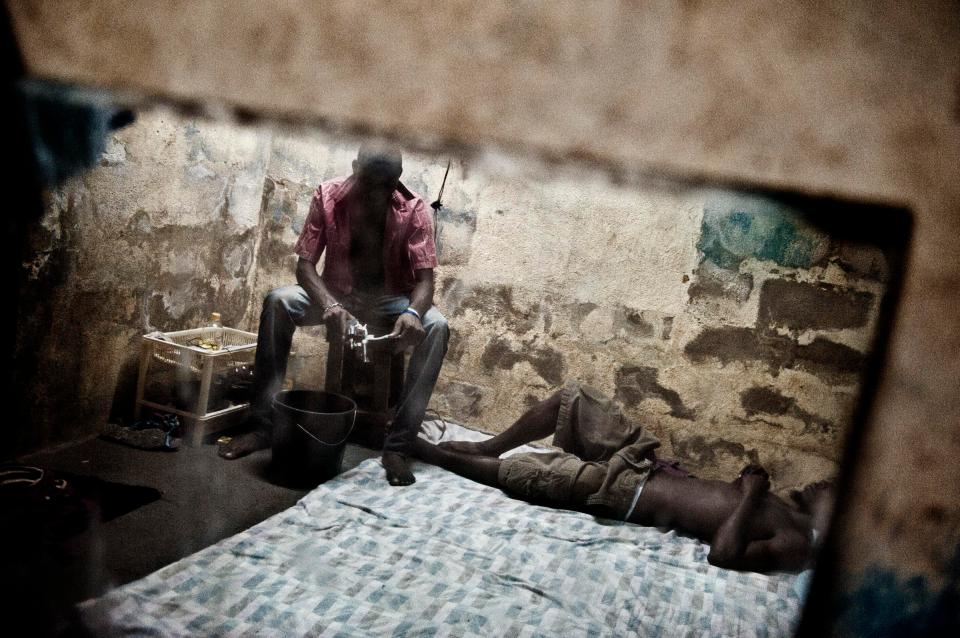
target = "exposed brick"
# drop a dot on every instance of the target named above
(822, 357)
(802, 306)
(825, 355)
(731, 343)
(713, 281)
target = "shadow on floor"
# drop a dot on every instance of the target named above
(204, 500)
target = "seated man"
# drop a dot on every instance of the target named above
(608, 467)
(379, 263)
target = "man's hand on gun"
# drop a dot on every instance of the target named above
(336, 318)
(408, 331)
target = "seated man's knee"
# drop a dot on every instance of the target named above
(282, 301)
(438, 324)
(276, 298)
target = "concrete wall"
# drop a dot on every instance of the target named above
(731, 327)
(858, 98)
(159, 235)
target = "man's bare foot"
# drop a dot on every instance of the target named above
(243, 445)
(754, 478)
(474, 448)
(398, 469)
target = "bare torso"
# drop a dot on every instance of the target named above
(699, 507)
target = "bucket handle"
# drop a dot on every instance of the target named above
(339, 443)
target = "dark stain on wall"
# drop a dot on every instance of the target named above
(531, 400)
(459, 216)
(463, 399)
(456, 347)
(712, 281)
(826, 358)
(497, 302)
(732, 343)
(546, 361)
(633, 321)
(768, 400)
(822, 357)
(802, 306)
(863, 261)
(579, 312)
(281, 201)
(637, 383)
(698, 451)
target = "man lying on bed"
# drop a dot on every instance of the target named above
(608, 467)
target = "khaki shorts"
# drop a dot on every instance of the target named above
(593, 427)
(605, 462)
(562, 480)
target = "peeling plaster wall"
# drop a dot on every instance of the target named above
(724, 322)
(159, 235)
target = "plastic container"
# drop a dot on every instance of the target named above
(180, 376)
(310, 431)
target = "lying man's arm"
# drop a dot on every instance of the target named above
(336, 317)
(731, 547)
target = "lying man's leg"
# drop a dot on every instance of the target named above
(538, 422)
(558, 479)
(283, 310)
(482, 469)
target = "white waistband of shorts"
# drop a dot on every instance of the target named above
(636, 497)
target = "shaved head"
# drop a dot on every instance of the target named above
(380, 159)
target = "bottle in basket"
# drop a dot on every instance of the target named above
(213, 335)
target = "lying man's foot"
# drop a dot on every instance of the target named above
(754, 478)
(398, 469)
(816, 500)
(244, 444)
(475, 448)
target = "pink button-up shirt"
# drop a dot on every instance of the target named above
(407, 243)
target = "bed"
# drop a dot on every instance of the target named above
(446, 557)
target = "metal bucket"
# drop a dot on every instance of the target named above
(310, 431)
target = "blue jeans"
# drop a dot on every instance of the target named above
(286, 308)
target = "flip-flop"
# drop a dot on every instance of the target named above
(143, 438)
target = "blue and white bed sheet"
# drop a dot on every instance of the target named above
(445, 557)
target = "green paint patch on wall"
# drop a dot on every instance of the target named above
(736, 228)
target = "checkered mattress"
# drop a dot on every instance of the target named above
(445, 557)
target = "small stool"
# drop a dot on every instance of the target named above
(374, 386)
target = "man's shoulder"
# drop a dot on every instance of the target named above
(334, 188)
(410, 197)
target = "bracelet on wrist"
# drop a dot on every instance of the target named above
(411, 311)
(331, 306)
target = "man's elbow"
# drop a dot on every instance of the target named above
(304, 268)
